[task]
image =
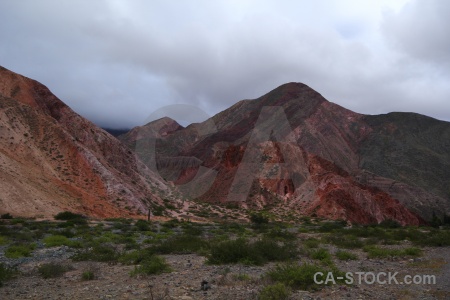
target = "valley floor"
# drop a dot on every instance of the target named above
(118, 279)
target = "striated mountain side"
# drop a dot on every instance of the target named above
(52, 159)
(295, 153)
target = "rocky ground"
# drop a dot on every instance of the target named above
(233, 281)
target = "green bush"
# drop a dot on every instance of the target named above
(345, 241)
(259, 218)
(330, 226)
(142, 225)
(19, 250)
(6, 273)
(278, 233)
(345, 255)
(182, 244)
(67, 215)
(3, 240)
(320, 254)
(135, 257)
(88, 275)
(277, 291)
(152, 265)
(295, 276)
(256, 253)
(311, 243)
(231, 251)
(98, 252)
(59, 240)
(53, 270)
(388, 223)
(435, 238)
(6, 216)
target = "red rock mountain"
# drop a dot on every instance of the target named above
(295, 153)
(52, 159)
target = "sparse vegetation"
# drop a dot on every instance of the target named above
(6, 216)
(88, 275)
(67, 215)
(277, 291)
(19, 250)
(58, 240)
(53, 270)
(98, 252)
(6, 273)
(256, 253)
(345, 255)
(259, 218)
(139, 243)
(152, 265)
(297, 276)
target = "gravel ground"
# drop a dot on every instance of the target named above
(114, 281)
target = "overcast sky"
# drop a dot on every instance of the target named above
(116, 62)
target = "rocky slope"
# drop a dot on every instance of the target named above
(294, 152)
(52, 159)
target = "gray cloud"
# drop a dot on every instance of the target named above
(421, 29)
(117, 62)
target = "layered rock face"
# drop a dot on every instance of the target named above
(293, 150)
(52, 159)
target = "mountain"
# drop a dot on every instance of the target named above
(52, 159)
(294, 153)
(115, 132)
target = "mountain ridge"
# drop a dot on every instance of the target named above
(53, 159)
(319, 129)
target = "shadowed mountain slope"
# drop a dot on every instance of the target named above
(313, 157)
(52, 159)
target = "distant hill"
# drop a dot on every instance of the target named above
(332, 163)
(115, 132)
(52, 159)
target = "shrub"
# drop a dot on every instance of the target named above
(259, 218)
(435, 238)
(311, 243)
(388, 223)
(142, 225)
(256, 253)
(88, 275)
(345, 255)
(346, 241)
(6, 216)
(98, 252)
(231, 251)
(67, 215)
(242, 277)
(277, 291)
(182, 244)
(192, 230)
(330, 226)
(53, 270)
(295, 276)
(152, 265)
(19, 250)
(58, 240)
(320, 254)
(280, 234)
(6, 273)
(3, 240)
(412, 251)
(135, 257)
